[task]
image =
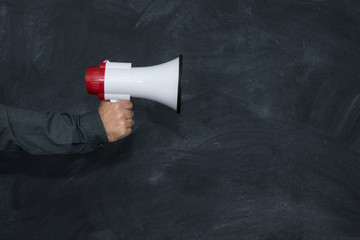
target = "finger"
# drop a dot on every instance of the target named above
(129, 123)
(128, 105)
(127, 114)
(128, 131)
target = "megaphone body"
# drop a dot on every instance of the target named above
(116, 81)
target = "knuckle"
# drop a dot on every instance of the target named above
(114, 108)
(123, 104)
(123, 131)
(121, 115)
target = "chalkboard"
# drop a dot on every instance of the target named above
(266, 146)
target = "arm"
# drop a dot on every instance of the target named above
(59, 133)
(50, 133)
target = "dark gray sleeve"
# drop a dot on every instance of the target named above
(50, 133)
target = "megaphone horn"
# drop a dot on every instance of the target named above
(116, 81)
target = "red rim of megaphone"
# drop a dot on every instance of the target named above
(94, 80)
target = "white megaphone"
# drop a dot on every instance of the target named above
(116, 81)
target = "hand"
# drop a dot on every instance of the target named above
(117, 119)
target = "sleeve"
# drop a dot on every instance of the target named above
(50, 133)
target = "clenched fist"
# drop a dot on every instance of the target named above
(117, 119)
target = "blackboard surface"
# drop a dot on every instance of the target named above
(266, 146)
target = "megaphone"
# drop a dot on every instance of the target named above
(116, 81)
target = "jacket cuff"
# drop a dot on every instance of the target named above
(93, 128)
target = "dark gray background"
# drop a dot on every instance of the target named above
(266, 146)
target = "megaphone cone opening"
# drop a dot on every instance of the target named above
(178, 108)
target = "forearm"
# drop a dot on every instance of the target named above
(50, 133)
